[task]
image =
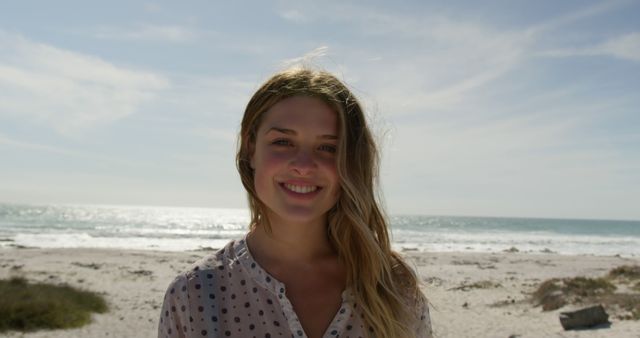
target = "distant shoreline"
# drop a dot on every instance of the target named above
(405, 251)
(399, 214)
(181, 229)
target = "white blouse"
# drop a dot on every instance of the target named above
(227, 294)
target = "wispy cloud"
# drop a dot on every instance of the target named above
(583, 13)
(68, 90)
(514, 166)
(294, 15)
(147, 32)
(152, 7)
(626, 47)
(434, 62)
(216, 134)
(222, 97)
(430, 61)
(90, 156)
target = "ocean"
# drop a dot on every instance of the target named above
(178, 229)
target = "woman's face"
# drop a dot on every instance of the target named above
(294, 160)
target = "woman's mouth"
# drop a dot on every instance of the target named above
(300, 189)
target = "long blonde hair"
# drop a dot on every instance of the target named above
(384, 286)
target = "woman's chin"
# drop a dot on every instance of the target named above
(301, 215)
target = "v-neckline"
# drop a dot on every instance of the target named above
(333, 324)
(278, 288)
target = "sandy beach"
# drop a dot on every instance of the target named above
(472, 294)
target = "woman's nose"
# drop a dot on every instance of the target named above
(303, 162)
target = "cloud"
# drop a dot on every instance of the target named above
(195, 95)
(294, 15)
(146, 32)
(579, 14)
(623, 47)
(446, 64)
(68, 90)
(626, 47)
(418, 62)
(152, 7)
(508, 167)
(434, 62)
(216, 134)
(69, 153)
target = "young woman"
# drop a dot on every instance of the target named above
(317, 260)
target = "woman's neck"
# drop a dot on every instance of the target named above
(290, 243)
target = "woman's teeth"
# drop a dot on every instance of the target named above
(300, 189)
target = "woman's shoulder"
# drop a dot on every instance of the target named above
(184, 294)
(213, 263)
(226, 264)
(211, 269)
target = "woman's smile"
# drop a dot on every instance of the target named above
(300, 192)
(300, 189)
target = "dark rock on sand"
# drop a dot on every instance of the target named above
(584, 318)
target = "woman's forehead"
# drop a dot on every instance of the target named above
(301, 114)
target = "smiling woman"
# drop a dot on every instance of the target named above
(317, 260)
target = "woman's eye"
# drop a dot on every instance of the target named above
(281, 142)
(328, 148)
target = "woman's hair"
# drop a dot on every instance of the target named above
(384, 286)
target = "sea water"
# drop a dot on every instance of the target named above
(177, 229)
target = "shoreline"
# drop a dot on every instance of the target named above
(396, 247)
(472, 294)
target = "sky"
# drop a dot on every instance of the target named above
(491, 108)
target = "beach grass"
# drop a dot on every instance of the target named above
(628, 272)
(26, 306)
(588, 287)
(484, 284)
(555, 293)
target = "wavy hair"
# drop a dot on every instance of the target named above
(384, 286)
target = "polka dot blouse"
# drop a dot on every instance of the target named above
(227, 294)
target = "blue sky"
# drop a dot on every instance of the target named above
(493, 108)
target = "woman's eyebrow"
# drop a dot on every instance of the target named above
(293, 132)
(281, 130)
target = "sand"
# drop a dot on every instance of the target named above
(134, 283)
